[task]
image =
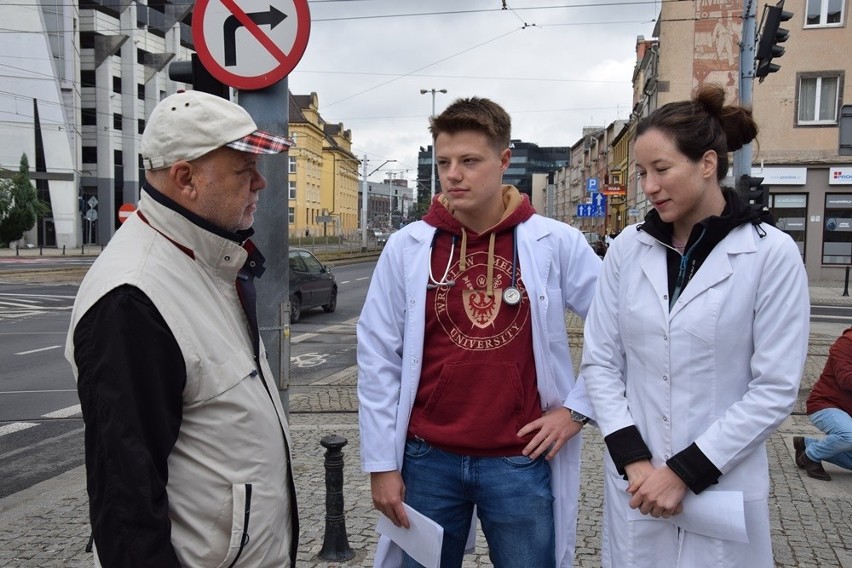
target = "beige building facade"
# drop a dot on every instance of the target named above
(798, 110)
(323, 174)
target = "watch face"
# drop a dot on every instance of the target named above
(511, 295)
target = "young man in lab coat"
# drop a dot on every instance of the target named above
(466, 386)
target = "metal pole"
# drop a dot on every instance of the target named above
(269, 109)
(432, 163)
(743, 156)
(846, 284)
(364, 207)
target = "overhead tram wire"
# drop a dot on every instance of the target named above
(373, 88)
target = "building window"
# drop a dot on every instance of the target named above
(824, 13)
(88, 117)
(292, 190)
(292, 165)
(790, 211)
(87, 78)
(140, 91)
(837, 230)
(116, 121)
(818, 99)
(90, 154)
(87, 40)
(291, 215)
(116, 85)
(141, 126)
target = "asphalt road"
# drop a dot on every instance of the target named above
(41, 429)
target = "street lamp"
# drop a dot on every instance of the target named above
(432, 165)
(364, 191)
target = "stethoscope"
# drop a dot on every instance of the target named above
(511, 295)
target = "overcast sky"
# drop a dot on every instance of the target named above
(556, 66)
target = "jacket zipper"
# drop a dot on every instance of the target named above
(681, 275)
(245, 538)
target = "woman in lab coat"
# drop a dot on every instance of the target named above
(694, 348)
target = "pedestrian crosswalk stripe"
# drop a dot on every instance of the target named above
(15, 427)
(64, 412)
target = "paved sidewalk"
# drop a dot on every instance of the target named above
(46, 526)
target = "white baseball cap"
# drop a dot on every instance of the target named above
(189, 124)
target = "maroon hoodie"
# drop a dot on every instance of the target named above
(478, 381)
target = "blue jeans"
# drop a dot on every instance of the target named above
(836, 447)
(512, 496)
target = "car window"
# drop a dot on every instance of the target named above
(313, 265)
(297, 263)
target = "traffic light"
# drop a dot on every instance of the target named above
(754, 191)
(771, 35)
(194, 73)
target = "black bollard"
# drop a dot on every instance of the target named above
(335, 545)
(63, 250)
(17, 250)
(846, 286)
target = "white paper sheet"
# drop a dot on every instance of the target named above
(717, 514)
(422, 541)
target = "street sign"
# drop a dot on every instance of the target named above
(91, 215)
(248, 48)
(592, 185)
(590, 210)
(614, 189)
(93, 201)
(599, 201)
(325, 219)
(125, 211)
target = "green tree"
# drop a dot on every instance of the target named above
(20, 205)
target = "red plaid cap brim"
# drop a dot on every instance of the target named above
(260, 142)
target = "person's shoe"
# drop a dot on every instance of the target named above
(799, 446)
(813, 468)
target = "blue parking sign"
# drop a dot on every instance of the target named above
(592, 185)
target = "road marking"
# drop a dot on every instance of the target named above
(335, 328)
(16, 295)
(38, 391)
(19, 426)
(64, 412)
(308, 360)
(39, 350)
(15, 427)
(364, 278)
(17, 305)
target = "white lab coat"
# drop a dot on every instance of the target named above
(721, 369)
(559, 270)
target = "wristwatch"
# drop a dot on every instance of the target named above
(577, 417)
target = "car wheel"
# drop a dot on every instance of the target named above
(295, 309)
(332, 302)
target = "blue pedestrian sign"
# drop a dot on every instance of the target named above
(592, 185)
(597, 208)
